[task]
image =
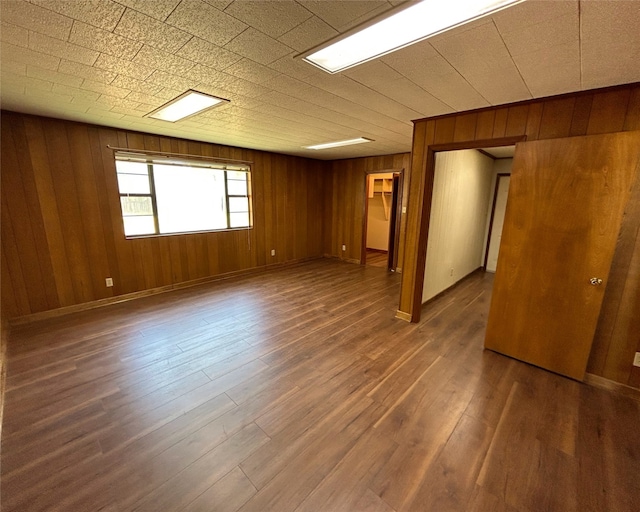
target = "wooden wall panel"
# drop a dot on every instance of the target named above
(344, 203)
(590, 112)
(62, 231)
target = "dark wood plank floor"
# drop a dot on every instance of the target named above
(377, 258)
(298, 390)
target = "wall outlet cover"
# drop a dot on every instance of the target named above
(109, 282)
(636, 359)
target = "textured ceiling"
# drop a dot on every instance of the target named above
(111, 62)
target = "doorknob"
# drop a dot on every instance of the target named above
(595, 281)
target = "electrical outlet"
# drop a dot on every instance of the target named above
(273, 252)
(344, 247)
(404, 209)
(109, 282)
(451, 272)
(636, 360)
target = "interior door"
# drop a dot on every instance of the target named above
(565, 206)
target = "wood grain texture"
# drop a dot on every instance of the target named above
(544, 311)
(62, 231)
(597, 111)
(292, 390)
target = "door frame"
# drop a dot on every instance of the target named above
(425, 214)
(397, 209)
(499, 176)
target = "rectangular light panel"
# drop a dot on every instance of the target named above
(408, 26)
(339, 143)
(185, 105)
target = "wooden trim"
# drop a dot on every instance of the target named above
(475, 144)
(575, 94)
(602, 383)
(54, 313)
(499, 176)
(403, 316)
(485, 153)
(428, 178)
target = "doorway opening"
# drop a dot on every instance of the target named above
(467, 210)
(381, 220)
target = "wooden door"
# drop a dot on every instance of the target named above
(565, 206)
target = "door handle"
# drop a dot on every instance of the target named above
(595, 281)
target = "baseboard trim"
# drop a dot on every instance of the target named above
(402, 315)
(611, 385)
(85, 306)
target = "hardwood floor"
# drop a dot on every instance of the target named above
(294, 391)
(377, 258)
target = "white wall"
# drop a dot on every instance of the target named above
(462, 190)
(377, 225)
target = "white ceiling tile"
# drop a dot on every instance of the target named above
(611, 23)
(295, 67)
(53, 76)
(221, 5)
(204, 52)
(137, 98)
(13, 34)
(103, 41)
(56, 47)
(550, 33)
(251, 71)
(158, 9)
(280, 102)
(18, 68)
(177, 82)
(76, 93)
(454, 90)
(476, 50)
(358, 94)
(207, 22)
(25, 55)
(258, 47)
(101, 88)
(436, 76)
(123, 67)
(340, 14)
(33, 17)
(602, 67)
(144, 87)
(311, 33)
(533, 12)
(99, 13)
(153, 58)
(501, 87)
(271, 18)
(138, 26)
(83, 71)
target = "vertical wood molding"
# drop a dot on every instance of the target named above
(589, 112)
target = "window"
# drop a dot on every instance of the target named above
(165, 196)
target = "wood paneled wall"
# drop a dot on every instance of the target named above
(62, 231)
(585, 113)
(345, 196)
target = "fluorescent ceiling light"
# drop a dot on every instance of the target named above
(185, 105)
(415, 23)
(339, 143)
